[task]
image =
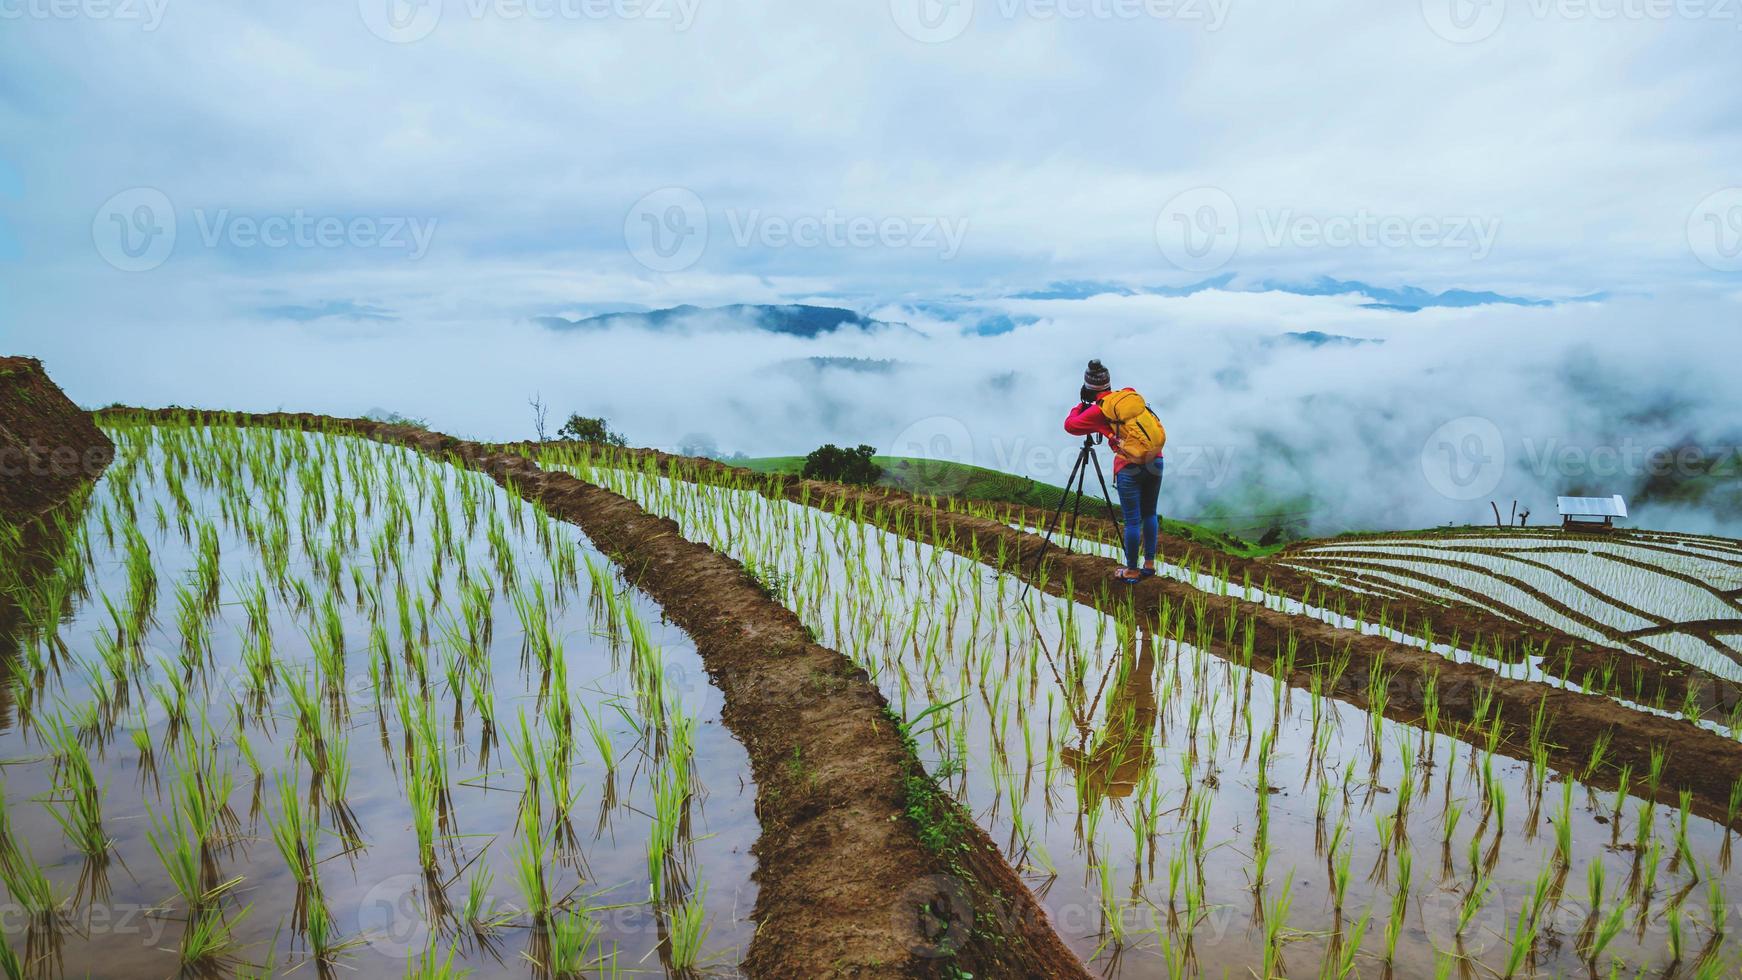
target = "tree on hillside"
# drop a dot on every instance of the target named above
(699, 444)
(583, 429)
(831, 462)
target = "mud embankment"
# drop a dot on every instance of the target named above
(48, 446)
(845, 885)
(50, 452)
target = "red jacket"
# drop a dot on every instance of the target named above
(1086, 419)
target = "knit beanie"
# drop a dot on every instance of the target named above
(1096, 377)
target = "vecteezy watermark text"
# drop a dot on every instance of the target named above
(300, 229)
(937, 21)
(831, 229)
(1201, 229)
(942, 442)
(1629, 458)
(1366, 229)
(1472, 21)
(136, 230)
(668, 230)
(406, 21)
(147, 13)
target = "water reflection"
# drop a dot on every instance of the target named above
(1111, 762)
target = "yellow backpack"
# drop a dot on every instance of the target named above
(1138, 433)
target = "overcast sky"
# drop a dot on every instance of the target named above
(340, 205)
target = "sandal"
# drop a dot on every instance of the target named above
(1129, 576)
(1148, 572)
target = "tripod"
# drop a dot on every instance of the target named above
(1073, 492)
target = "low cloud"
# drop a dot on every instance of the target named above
(1456, 406)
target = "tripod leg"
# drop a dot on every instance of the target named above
(1082, 476)
(1112, 512)
(1052, 524)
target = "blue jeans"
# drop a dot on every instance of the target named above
(1139, 491)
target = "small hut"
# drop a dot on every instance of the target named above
(1591, 513)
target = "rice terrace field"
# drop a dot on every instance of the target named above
(291, 694)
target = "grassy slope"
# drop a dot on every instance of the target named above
(979, 483)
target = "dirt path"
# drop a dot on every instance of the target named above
(1694, 758)
(864, 868)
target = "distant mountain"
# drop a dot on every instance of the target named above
(1403, 299)
(855, 365)
(1318, 338)
(794, 320)
(343, 308)
(997, 324)
(1086, 288)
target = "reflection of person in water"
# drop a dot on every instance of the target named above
(1125, 748)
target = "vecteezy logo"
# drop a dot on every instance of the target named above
(391, 918)
(400, 21)
(935, 914)
(1443, 919)
(932, 448)
(932, 21)
(1464, 21)
(667, 230)
(1199, 230)
(1464, 459)
(1715, 230)
(134, 231)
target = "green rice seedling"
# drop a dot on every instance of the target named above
(478, 909)
(1340, 875)
(568, 937)
(1275, 920)
(1345, 952)
(528, 753)
(528, 859)
(209, 935)
(424, 790)
(1599, 748)
(182, 857)
(688, 931)
(78, 808)
(1176, 864)
(11, 967)
(321, 929)
(601, 740)
(293, 834)
(1473, 900)
(1520, 943)
(432, 965)
(482, 699)
(1648, 877)
(1718, 911)
(193, 620)
(1563, 826)
(1622, 783)
(23, 877)
(1673, 919)
(1110, 909)
(1682, 851)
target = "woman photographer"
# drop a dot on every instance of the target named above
(1136, 436)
